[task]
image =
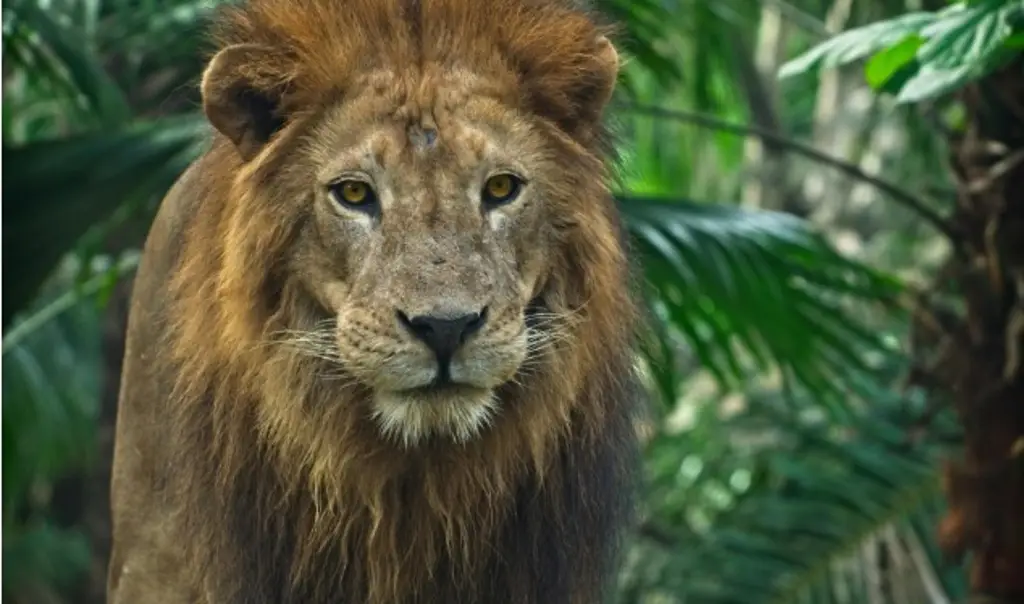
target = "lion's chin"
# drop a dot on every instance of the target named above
(455, 412)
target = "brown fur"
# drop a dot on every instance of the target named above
(243, 473)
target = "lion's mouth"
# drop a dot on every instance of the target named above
(441, 389)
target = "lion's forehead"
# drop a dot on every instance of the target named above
(452, 121)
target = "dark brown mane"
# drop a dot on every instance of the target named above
(299, 471)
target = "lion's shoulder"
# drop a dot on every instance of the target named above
(144, 447)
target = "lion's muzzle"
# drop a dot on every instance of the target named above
(443, 332)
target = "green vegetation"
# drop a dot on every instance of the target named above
(792, 234)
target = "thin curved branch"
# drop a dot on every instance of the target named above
(801, 18)
(898, 194)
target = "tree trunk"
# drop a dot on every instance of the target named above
(980, 363)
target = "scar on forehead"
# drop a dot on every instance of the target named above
(421, 137)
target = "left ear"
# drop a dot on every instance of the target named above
(571, 85)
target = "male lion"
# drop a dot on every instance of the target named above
(380, 344)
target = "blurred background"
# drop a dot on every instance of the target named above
(825, 200)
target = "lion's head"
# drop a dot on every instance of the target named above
(425, 209)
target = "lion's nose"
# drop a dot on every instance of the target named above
(443, 333)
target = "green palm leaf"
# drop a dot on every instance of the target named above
(59, 52)
(51, 389)
(754, 290)
(821, 497)
(55, 191)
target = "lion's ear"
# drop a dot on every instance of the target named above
(605, 73)
(570, 85)
(242, 88)
(591, 83)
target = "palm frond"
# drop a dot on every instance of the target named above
(55, 191)
(57, 51)
(796, 509)
(750, 291)
(47, 421)
(52, 383)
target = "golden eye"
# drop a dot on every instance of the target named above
(501, 188)
(352, 193)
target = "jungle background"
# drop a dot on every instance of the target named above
(825, 200)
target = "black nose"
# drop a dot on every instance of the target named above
(443, 334)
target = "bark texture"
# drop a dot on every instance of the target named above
(980, 354)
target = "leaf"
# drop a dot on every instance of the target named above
(963, 45)
(825, 492)
(858, 43)
(750, 290)
(74, 59)
(966, 34)
(51, 392)
(885, 64)
(1014, 42)
(923, 55)
(56, 190)
(930, 82)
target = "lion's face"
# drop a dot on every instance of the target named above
(442, 193)
(431, 238)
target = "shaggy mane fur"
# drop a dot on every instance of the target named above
(291, 495)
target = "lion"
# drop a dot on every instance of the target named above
(382, 337)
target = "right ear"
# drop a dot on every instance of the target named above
(242, 88)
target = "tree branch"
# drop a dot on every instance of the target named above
(898, 194)
(801, 18)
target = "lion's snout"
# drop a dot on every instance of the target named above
(434, 371)
(443, 331)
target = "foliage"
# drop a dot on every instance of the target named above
(62, 188)
(794, 508)
(51, 388)
(922, 55)
(706, 264)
